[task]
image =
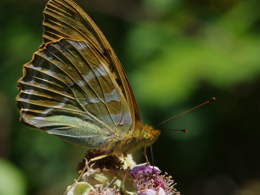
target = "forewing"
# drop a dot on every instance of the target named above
(65, 19)
(69, 91)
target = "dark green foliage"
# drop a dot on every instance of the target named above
(176, 54)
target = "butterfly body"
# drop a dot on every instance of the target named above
(143, 136)
(75, 87)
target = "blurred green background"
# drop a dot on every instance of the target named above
(177, 54)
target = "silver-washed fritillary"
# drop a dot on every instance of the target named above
(75, 87)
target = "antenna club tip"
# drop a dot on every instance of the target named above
(185, 131)
(212, 99)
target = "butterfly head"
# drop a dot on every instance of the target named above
(147, 134)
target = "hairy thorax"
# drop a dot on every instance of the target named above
(142, 136)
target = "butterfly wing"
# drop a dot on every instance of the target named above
(74, 87)
(65, 19)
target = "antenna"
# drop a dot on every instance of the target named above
(206, 102)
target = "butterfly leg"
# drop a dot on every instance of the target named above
(146, 157)
(85, 168)
(126, 172)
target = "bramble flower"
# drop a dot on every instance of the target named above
(104, 178)
(148, 181)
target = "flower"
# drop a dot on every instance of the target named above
(109, 178)
(159, 191)
(148, 181)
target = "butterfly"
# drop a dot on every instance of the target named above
(75, 87)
